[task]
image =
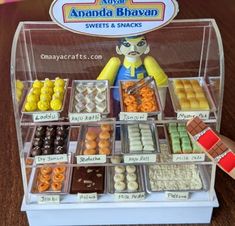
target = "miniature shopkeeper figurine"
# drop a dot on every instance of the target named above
(133, 67)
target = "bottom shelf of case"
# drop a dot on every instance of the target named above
(160, 212)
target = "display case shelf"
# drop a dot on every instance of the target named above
(184, 49)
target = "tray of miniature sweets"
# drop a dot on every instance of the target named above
(125, 179)
(97, 139)
(175, 177)
(60, 93)
(146, 100)
(50, 140)
(89, 179)
(141, 138)
(180, 144)
(90, 96)
(190, 94)
(50, 179)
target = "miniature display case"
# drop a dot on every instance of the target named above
(153, 185)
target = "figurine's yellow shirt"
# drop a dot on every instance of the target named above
(132, 65)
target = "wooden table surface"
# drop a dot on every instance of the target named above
(11, 191)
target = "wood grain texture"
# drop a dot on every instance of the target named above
(11, 185)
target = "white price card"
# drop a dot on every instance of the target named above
(48, 199)
(84, 117)
(176, 195)
(186, 115)
(43, 159)
(46, 117)
(137, 116)
(137, 196)
(87, 159)
(188, 157)
(88, 197)
(140, 158)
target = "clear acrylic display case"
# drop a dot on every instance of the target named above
(184, 49)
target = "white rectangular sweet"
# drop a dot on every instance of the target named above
(144, 126)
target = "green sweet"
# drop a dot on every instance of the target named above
(181, 129)
(196, 148)
(183, 134)
(187, 148)
(176, 149)
(185, 140)
(172, 129)
(175, 135)
(175, 140)
(182, 125)
(172, 124)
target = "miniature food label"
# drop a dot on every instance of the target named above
(113, 18)
(138, 196)
(176, 195)
(46, 117)
(186, 115)
(140, 158)
(48, 199)
(88, 197)
(84, 117)
(43, 159)
(188, 157)
(137, 116)
(87, 159)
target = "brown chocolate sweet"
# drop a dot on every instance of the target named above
(88, 180)
(59, 150)
(37, 142)
(196, 126)
(36, 151)
(218, 149)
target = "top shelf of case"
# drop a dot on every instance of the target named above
(184, 48)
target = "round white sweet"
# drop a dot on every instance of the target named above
(119, 186)
(118, 177)
(116, 159)
(132, 186)
(119, 169)
(130, 169)
(131, 177)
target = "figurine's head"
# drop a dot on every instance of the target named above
(133, 46)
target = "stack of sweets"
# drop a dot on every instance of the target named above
(143, 101)
(19, 90)
(98, 140)
(90, 97)
(125, 178)
(49, 140)
(180, 141)
(174, 177)
(45, 95)
(190, 94)
(140, 138)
